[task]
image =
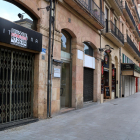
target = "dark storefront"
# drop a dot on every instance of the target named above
(17, 71)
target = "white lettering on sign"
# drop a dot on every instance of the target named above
(3, 30)
(19, 38)
(32, 39)
(56, 72)
(36, 41)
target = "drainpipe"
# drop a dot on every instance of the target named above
(49, 48)
(52, 55)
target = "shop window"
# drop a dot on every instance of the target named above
(65, 42)
(88, 49)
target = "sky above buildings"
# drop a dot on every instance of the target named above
(10, 11)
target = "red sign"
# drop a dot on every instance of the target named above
(113, 72)
(106, 59)
(102, 70)
(108, 51)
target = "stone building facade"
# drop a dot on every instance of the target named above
(122, 34)
(93, 40)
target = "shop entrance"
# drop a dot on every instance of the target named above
(16, 85)
(106, 77)
(114, 81)
(88, 85)
(65, 95)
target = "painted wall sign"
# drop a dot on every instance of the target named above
(56, 72)
(20, 36)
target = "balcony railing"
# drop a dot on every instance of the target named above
(129, 13)
(93, 9)
(129, 41)
(133, 1)
(119, 3)
(110, 26)
(137, 12)
(137, 31)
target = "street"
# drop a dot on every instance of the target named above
(117, 119)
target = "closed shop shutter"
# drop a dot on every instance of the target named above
(16, 85)
(88, 84)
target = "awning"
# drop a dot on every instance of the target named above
(130, 70)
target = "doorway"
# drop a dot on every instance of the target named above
(16, 85)
(65, 96)
(88, 85)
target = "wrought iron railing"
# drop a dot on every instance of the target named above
(110, 26)
(133, 46)
(93, 9)
(119, 3)
(129, 13)
(133, 1)
(137, 12)
(137, 30)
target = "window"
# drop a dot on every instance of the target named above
(115, 22)
(87, 49)
(106, 13)
(65, 42)
(126, 32)
(122, 29)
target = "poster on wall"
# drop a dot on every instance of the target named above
(106, 60)
(57, 72)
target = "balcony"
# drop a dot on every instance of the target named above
(137, 33)
(117, 6)
(131, 2)
(136, 13)
(114, 34)
(131, 47)
(89, 10)
(128, 15)
(130, 69)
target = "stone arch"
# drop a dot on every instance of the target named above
(91, 44)
(96, 53)
(72, 34)
(28, 6)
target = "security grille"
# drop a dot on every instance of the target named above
(88, 84)
(16, 85)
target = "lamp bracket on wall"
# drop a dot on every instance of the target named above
(107, 47)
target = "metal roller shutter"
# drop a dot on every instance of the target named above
(88, 84)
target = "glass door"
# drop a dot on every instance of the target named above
(65, 85)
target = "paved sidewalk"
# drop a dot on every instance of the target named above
(118, 119)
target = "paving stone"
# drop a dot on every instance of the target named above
(117, 119)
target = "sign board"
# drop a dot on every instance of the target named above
(43, 51)
(108, 51)
(127, 66)
(57, 72)
(14, 34)
(107, 92)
